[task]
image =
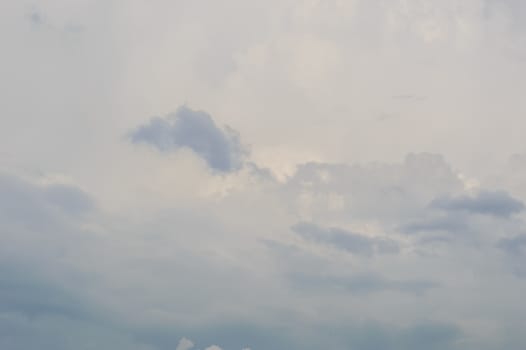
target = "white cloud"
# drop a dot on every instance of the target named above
(184, 344)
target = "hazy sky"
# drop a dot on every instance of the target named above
(264, 175)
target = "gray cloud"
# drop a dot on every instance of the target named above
(338, 336)
(195, 130)
(444, 224)
(54, 307)
(378, 191)
(40, 227)
(497, 203)
(361, 284)
(515, 245)
(36, 17)
(40, 207)
(68, 198)
(345, 240)
(45, 299)
(23, 292)
(301, 78)
(55, 332)
(426, 335)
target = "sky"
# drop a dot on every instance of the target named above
(262, 175)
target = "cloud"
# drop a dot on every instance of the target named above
(184, 344)
(40, 206)
(431, 336)
(364, 335)
(54, 332)
(444, 224)
(43, 288)
(380, 191)
(36, 17)
(344, 240)
(362, 284)
(24, 293)
(168, 249)
(496, 203)
(514, 245)
(167, 263)
(70, 199)
(195, 130)
(428, 335)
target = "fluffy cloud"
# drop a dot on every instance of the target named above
(184, 344)
(219, 147)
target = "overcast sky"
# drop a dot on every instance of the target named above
(263, 175)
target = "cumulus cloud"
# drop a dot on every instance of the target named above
(184, 344)
(195, 130)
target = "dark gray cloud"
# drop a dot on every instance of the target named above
(195, 130)
(344, 240)
(495, 203)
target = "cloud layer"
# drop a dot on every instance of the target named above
(381, 205)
